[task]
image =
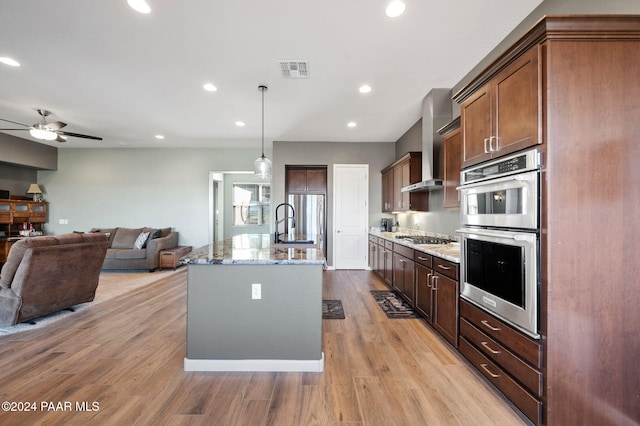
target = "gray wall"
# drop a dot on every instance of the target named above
(19, 161)
(410, 141)
(377, 155)
(26, 153)
(137, 187)
(16, 179)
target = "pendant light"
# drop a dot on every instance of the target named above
(262, 165)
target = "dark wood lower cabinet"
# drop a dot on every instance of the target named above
(510, 360)
(437, 294)
(404, 276)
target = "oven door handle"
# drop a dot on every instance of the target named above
(482, 232)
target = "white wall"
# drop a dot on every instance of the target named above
(137, 187)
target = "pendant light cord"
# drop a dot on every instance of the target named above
(262, 89)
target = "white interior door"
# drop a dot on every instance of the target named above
(350, 215)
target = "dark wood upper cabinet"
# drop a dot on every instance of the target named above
(452, 162)
(502, 116)
(306, 180)
(404, 171)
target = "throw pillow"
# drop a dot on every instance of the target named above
(152, 236)
(141, 240)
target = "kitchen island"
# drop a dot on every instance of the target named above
(253, 306)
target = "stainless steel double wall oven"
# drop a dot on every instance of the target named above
(500, 234)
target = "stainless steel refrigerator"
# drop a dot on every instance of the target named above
(310, 215)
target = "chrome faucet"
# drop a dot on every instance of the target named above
(276, 236)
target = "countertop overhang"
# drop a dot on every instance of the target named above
(253, 249)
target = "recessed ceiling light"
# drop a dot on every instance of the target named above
(352, 124)
(395, 9)
(365, 88)
(240, 123)
(159, 136)
(210, 87)
(139, 6)
(8, 61)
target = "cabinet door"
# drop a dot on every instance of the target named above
(398, 273)
(317, 180)
(515, 92)
(445, 311)
(475, 115)
(38, 213)
(6, 214)
(423, 292)
(452, 165)
(409, 289)
(387, 191)
(380, 263)
(387, 266)
(405, 172)
(397, 184)
(297, 180)
(373, 255)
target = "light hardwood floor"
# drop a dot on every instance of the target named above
(127, 354)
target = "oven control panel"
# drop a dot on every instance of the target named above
(524, 161)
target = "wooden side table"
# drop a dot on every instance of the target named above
(169, 257)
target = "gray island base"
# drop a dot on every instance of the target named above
(232, 326)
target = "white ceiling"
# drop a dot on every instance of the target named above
(109, 71)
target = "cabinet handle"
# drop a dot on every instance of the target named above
(489, 326)
(423, 258)
(429, 277)
(486, 345)
(446, 268)
(489, 372)
(434, 285)
(497, 148)
(486, 150)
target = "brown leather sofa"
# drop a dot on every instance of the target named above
(46, 274)
(124, 254)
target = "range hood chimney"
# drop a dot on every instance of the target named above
(436, 112)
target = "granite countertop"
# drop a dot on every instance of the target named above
(450, 252)
(252, 249)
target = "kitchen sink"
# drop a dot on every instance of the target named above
(294, 243)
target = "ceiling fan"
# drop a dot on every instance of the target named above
(49, 131)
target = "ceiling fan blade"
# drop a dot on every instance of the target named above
(14, 122)
(56, 125)
(78, 135)
(61, 138)
(14, 129)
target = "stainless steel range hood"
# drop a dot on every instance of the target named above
(436, 112)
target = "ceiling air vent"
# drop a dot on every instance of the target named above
(295, 69)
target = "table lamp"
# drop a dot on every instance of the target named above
(35, 190)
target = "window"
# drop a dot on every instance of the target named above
(251, 204)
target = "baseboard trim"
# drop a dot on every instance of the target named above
(272, 365)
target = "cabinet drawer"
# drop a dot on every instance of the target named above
(388, 244)
(515, 341)
(423, 258)
(520, 370)
(373, 239)
(445, 267)
(403, 250)
(528, 404)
